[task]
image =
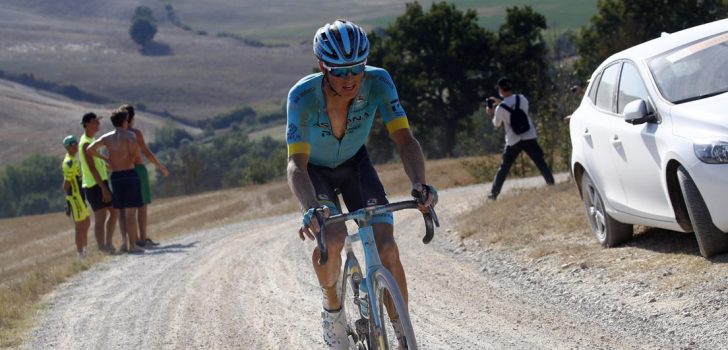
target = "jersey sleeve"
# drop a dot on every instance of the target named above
(296, 130)
(390, 107)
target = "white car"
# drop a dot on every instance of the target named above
(650, 139)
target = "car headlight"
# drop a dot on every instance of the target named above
(715, 152)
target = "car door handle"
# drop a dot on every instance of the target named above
(587, 134)
(616, 141)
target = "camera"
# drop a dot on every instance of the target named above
(489, 102)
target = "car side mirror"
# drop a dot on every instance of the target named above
(636, 113)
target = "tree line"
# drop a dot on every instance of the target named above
(444, 64)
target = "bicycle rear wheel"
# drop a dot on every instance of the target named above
(388, 338)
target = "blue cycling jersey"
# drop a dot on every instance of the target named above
(309, 129)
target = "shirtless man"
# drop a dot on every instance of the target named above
(141, 169)
(123, 150)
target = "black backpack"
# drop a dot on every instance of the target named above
(519, 119)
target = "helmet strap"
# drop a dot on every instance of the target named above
(331, 87)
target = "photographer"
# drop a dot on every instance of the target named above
(511, 110)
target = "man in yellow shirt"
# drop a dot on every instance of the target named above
(97, 191)
(74, 197)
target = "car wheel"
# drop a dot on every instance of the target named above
(711, 240)
(608, 231)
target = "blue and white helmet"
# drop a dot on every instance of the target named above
(341, 43)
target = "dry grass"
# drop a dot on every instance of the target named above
(38, 253)
(549, 223)
(537, 222)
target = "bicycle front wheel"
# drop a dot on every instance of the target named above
(396, 331)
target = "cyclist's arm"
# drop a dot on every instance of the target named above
(299, 182)
(411, 154)
(301, 186)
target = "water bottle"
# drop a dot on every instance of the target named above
(363, 300)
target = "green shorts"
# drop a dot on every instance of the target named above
(144, 177)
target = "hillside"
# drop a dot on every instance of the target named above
(192, 74)
(32, 121)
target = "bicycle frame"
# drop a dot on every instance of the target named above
(365, 234)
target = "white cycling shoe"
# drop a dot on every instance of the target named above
(334, 327)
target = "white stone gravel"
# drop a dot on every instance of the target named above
(250, 286)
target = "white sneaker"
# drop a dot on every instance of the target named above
(334, 327)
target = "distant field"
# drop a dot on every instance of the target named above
(32, 121)
(296, 20)
(89, 45)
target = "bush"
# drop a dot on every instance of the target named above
(31, 187)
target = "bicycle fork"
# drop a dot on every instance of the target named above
(353, 273)
(366, 236)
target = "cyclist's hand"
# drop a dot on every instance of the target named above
(429, 193)
(310, 225)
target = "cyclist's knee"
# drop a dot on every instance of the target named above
(335, 237)
(388, 251)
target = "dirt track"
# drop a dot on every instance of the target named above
(250, 286)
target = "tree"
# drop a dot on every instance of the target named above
(143, 26)
(522, 52)
(441, 61)
(32, 186)
(620, 24)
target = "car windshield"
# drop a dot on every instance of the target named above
(694, 71)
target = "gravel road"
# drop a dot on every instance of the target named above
(250, 286)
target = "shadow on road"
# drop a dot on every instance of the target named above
(170, 248)
(671, 242)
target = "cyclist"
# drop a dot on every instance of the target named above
(330, 115)
(74, 196)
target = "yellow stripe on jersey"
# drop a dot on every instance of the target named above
(299, 147)
(396, 124)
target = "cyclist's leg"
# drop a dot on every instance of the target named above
(323, 180)
(330, 273)
(389, 253)
(333, 321)
(363, 188)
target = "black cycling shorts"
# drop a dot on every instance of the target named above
(357, 182)
(95, 197)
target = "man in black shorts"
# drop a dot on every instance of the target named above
(122, 147)
(96, 187)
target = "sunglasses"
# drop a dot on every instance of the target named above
(341, 72)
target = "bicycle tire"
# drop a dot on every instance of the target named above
(385, 282)
(358, 336)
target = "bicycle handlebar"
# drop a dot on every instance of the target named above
(430, 218)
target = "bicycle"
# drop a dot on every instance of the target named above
(367, 327)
